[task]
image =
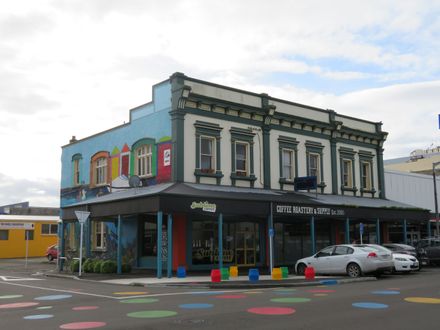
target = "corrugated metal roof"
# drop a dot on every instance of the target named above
(35, 218)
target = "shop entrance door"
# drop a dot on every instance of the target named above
(245, 247)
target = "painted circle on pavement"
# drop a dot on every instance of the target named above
(130, 293)
(38, 317)
(369, 305)
(386, 292)
(54, 297)
(423, 300)
(329, 282)
(271, 310)
(82, 325)
(85, 308)
(321, 291)
(231, 296)
(11, 296)
(290, 300)
(196, 306)
(139, 301)
(18, 305)
(151, 314)
(45, 307)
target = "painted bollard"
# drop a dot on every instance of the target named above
(233, 271)
(254, 274)
(309, 273)
(276, 273)
(216, 275)
(225, 273)
(181, 272)
(284, 272)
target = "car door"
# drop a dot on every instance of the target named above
(321, 261)
(339, 259)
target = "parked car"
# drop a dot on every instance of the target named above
(52, 252)
(404, 262)
(351, 259)
(428, 251)
(401, 248)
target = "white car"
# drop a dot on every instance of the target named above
(405, 262)
(351, 259)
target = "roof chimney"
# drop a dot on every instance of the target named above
(73, 139)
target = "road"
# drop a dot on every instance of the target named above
(392, 302)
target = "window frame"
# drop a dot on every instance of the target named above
(316, 148)
(366, 157)
(99, 228)
(29, 237)
(144, 161)
(95, 176)
(244, 172)
(77, 169)
(243, 137)
(50, 231)
(288, 144)
(7, 234)
(212, 157)
(347, 173)
(347, 155)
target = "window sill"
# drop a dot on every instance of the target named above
(251, 177)
(214, 174)
(352, 189)
(285, 181)
(368, 191)
(99, 250)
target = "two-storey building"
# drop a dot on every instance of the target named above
(204, 175)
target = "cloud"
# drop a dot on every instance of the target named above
(44, 192)
(20, 27)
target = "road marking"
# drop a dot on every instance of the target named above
(13, 278)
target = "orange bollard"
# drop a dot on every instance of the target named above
(233, 271)
(309, 273)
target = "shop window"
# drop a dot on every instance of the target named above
(4, 235)
(208, 157)
(149, 239)
(77, 164)
(29, 235)
(49, 229)
(69, 236)
(99, 235)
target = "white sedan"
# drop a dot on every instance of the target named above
(405, 262)
(351, 259)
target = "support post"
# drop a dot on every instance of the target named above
(347, 231)
(88, 224)
(435, 198)
(61, 246)
(220, 240)
(170, 246)
(119, 255)
(312, 234)
(404, 232)
(271, 234)
(377, 231)
(159, 244)
(429, 227)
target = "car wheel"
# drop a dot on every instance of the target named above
(353, 270)
(300, 270)
(49, 257)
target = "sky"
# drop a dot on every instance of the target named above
(76, 68)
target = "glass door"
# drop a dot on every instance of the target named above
(245, 245)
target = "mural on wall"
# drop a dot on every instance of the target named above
(122, 165)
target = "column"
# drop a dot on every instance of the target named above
(377, 231)
(119, 251)
(62, 245)
(404, 232)
(88, 224)
(266, 157)
(170, 246)
(159, 244)
(220, 240)
(312, 234)
(429, 227)
(347, 231)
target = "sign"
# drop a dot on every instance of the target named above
(205, 206)
(17, 225)
(82, 216)
(308, 210)
(271, 232)
(305, 183)
(167, 157)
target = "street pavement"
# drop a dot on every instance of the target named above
(31, 300)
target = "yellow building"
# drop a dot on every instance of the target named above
(41, 231)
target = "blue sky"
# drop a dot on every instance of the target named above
(66, 60)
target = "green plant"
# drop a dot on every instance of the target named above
(126, 268)
(109, 266)
(88, 265)
(74, 266)
(97, 266)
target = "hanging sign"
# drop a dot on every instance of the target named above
(205, 206)
(307, 210)
(17, 225)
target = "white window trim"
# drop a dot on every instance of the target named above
(292, 163)
(213, 153)
(50, 231)
(104, 168)
(318, 165)
(349, 174)
(367, 175)
(246, 171)
(102, 228)
(147, 155)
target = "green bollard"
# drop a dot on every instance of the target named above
(225, 274)
(284, 272)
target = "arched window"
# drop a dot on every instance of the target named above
(77, 169)
(100, 172)
(143, 158)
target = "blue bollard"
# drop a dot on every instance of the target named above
(181, 272)
(254, 275)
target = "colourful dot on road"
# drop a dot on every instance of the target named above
(11, 296)
(54, 297)
(328, 282)
(151, 314)
(231, 296)
(290, 300)
(85, 308)
(321, 291)
(83, 325)
(284, 292)
(271, 310)
(45, 307)
(38, 317)
(18, 305)
(320, 294)
(386, 292)
(196, 306)
(423, 300)
(130, 293)
(369, 305)
(139, 301)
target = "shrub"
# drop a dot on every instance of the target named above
(74, 266)
(109, 266)
(88, 265)
(97, 266)
(126, 268)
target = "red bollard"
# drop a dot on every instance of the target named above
(309, 273)
(216, 275)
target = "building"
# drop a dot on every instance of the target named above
(27, 231)
(420, 161)
(204, 176)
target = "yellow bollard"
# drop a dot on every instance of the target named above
(276, 274)
(233, 271)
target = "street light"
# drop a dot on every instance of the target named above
(435, 196)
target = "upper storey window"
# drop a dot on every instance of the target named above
(99, 171)
(144, 156)
(241, 159)
(314, 162)
(347, 159)
(76, 167)
(242, 155)
(288, 160)
(207, 154)
(314, 158)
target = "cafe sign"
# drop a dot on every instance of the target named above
(16, 225)
(204, 206)
(308, 210)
